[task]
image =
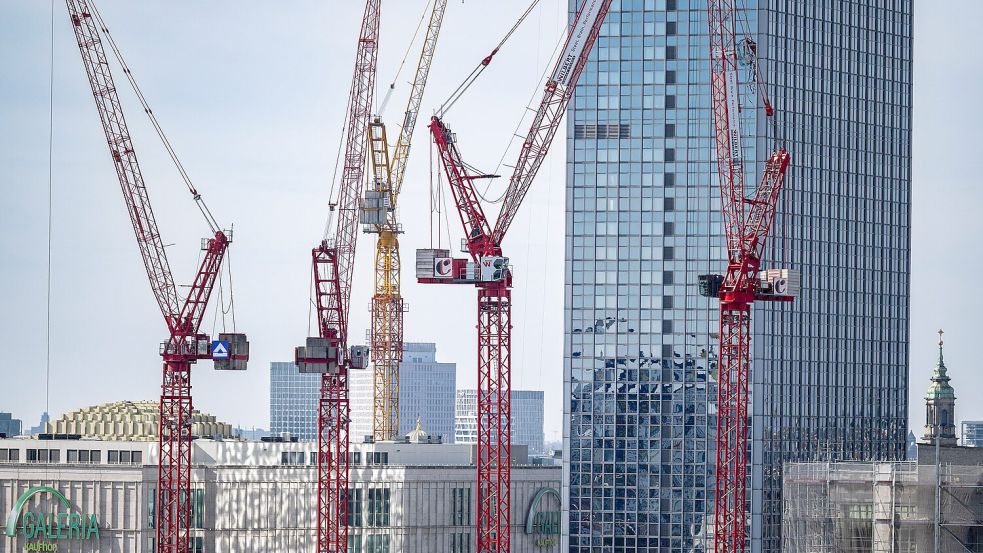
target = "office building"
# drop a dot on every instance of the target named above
(9, 426)
(527, 419)
(252, 496)
(41, 425)
(830, 370)
(972, 432)
(293, 401)
(426, 392)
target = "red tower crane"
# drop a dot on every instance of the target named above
(185, 344)
(746, 222)
(328, 353)
(489, 271)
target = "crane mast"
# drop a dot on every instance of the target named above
(746, 222)
(489, 272)
(379, 217)
(185, 344)
(332, 265)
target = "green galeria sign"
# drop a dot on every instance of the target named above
(543, 524)
(61, 524)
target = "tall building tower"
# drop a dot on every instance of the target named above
(293, 401)
(426, 391)
(940, 406)
(526, 420)
(830, 370)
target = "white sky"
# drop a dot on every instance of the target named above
(253, 100)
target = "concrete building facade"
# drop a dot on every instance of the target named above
(527, 419)
(643, 221)
(259, 496)
(130, 420)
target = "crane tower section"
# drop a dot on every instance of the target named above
(747, 222)
(379, 216)
(488, 270)
(185, 344)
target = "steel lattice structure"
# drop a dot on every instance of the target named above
(494, 294)
(747, 222)
(185, 345)
(388, 305)
(332, 266)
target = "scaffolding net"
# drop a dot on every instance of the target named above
(845, 507)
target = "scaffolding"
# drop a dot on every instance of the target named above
(846, 507)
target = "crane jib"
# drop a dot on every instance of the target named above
(577, 41)
(733, 116)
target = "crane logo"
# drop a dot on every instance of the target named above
(443, 267)
(780, 285)
(54, 525)
(220, 349)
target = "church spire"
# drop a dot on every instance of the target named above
(940, 404)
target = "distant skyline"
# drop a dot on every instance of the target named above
(253, 102)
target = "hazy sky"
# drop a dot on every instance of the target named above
(253, 101)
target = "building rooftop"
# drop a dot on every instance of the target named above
(130, 420)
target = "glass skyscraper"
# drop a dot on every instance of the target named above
(426, 392)
(642, 222)
(293, 401)
(526, 419)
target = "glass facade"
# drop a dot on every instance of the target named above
(642, 222)
(526, 420)
(293, 401)
(426, 391)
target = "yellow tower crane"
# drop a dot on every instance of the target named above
(379, 217)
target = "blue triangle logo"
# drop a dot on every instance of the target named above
(220, 349)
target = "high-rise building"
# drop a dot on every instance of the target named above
(426, 392)
(643, 221)
(972, 432)
(9, 426)
(527, 419)
(293, 401)
(41, 425)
